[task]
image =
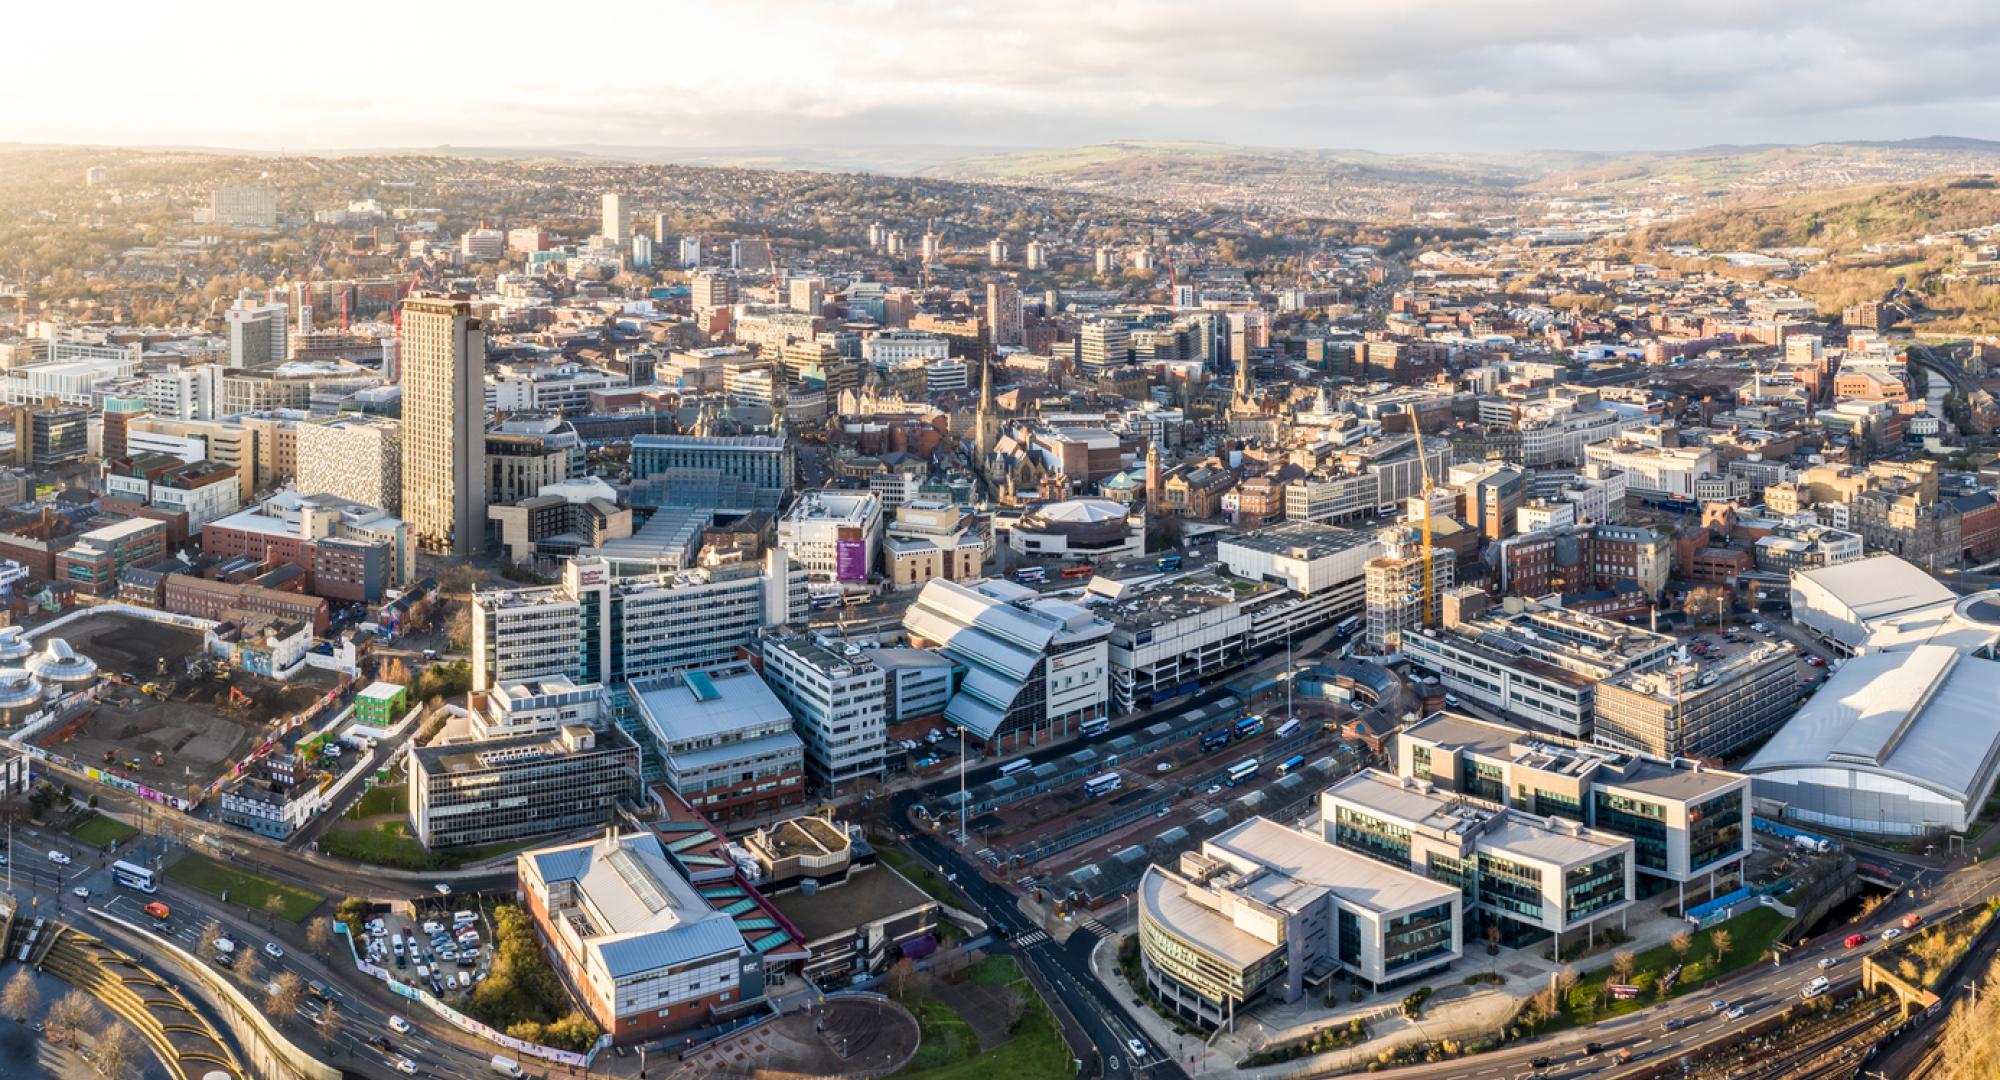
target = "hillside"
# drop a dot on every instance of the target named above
(1840, 221)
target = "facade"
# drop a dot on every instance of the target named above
(495, 790)
(737, 474)
(1035, 667)
(381, 704)
(642, 946)
(1394, 585)
(1692, 710)
(349, 550)
(1897, 743)
(1079, 528)
(932, 538)
(1687, 822)
(857, 915)
(205, 599)
(98, 557)
(256, 333)
(1533, 875)
(358, 458)
(833, 535)
(838, 698)
(1851, 604)
(1265, 911)
(525, 454)
(724, 740)
(1541, 664)
(444, 420)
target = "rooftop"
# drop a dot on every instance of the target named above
(1301, 540)
(700, 706)
(868, 894)
(634, 912)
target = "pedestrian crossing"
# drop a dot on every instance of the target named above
(1099, 928)
(1032, 937)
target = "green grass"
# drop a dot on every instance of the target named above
(1035, 1051)
(253, 892)
(1751, 936)
(389, 798)
(923, 877)
(392, 844)
(101, 831)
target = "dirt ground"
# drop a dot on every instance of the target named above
(196, 731)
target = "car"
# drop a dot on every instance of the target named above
(1677, 1023)
(1855, 941)
(442, 889)
(382, 1044)
(1590, 1048)
(433, 927)
(1164, 766)
(1892, 933)
(1828, 961)
(1717, 1005)
(1540, 1062)
(59, 858)
(1213, 789)
(1819, 982)
(399, 1025)
(80, 893)
(406, 1066)
(1739, 1012)
(1162, 812)
(1138, 1048)
(1451, 700)
(273, 950)
(1815, 661)
(1912, 921)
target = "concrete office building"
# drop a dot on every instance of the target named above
(833, 535)
(1535, 876)
(732, 474)
(1265, 911)
(839, 703)
(617, 224)
(1539, 663)
(1688, 823)
(493, 791)
(724, 741)
(256, 332)
(243, 204)
(444, 420)
(1698, 710)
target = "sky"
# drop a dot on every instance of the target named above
(1390, 75)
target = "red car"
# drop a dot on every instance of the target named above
(1912, 921)
(1855, 940)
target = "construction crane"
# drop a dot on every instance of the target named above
(1424, 467)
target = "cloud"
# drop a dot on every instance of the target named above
(1434, 75)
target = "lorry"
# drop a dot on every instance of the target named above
(505, 1065)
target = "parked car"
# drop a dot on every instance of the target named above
(442, 889)
(433, 927)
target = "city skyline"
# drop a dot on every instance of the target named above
(1412, 78)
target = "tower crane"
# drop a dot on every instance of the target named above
(1424, 468)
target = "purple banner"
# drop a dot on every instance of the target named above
(850, 560)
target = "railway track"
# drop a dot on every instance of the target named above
(1818, 1053)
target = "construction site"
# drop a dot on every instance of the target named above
(170, 716)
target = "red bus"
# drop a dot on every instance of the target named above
(1078, 571)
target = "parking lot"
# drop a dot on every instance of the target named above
(448, 938)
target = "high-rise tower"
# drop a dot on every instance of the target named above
(444, 424)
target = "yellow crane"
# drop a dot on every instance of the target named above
(1424, 467)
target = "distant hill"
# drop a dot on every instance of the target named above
(1841, 220)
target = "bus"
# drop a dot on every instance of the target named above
(1080, 570)
(1286, 728)
(1015, 766)
(1248, 726)
(1217, 738)
(1241, 771)
(1347, 626)
(1169, 563)
(1092, 728)
(1102, 785)
(1031, 574)
(134, 877)
(1286, 766)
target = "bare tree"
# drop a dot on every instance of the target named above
(1719, 941)
(282, 999)
(117, 1052)
(1623, 962)
(21, 997)
(70, 1015)
(327, 1025)
(209, 936)
(274, 906)
(319, 935)
(1682, 943)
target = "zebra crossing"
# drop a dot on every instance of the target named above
(1098, 928)
(1031, 938)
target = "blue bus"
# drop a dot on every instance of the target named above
(1217, 738)
(1248, 726)
(1170, 563)
(1241, 771)
(1102, 785)
(1291, 763)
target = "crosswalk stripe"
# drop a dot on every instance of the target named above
(1033, 937)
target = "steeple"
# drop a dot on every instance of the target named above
(1153, 479)
(983, 421)
(1243, 388)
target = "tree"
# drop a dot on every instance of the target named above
(274, 906)
(70, 1015)
(21, 997)
(1719, 941)
(282, 999)
(209, 936)
(1681, 943)
(319, 935)
(327, 1024)
(117, 1052)
(1623, 962)
(1705, 603)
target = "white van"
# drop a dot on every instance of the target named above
(463, 918)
